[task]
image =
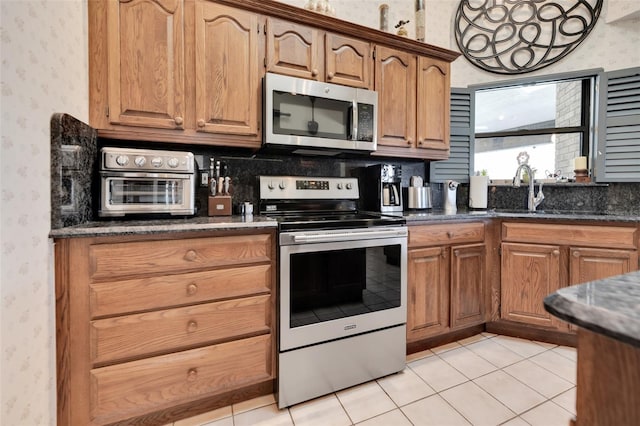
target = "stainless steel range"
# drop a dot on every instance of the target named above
(342, 287)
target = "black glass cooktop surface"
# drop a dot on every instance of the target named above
(339, 220)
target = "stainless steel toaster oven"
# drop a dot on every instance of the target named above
(144, 181)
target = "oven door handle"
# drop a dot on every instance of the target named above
(348, 236)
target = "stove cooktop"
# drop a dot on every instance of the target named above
(339, 220)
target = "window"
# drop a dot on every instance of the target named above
(550, 120)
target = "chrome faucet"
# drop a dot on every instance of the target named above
(533, 200)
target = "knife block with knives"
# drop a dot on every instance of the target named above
(219, 190)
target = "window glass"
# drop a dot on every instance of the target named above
(545, 120)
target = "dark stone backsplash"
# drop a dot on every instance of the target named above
(73, 156)
(75, 187)
(622, 198)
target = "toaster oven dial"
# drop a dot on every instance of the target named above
(156, 162)
(173, 162)
(122, 160)
(140, 161)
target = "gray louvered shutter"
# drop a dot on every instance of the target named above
(618, 158)
(460, 161)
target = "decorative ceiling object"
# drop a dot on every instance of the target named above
(520, 36)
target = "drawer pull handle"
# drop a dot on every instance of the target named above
(192, 375)
(192, 326)
(191, 255)
(192, 289)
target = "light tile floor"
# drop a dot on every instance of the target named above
(484, 380)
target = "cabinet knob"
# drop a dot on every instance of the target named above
(409, 141)
(420, 142)
(556, 252)
(314, 72)
(201, 123)
(192, 289)
(192, 326)
(450, 234)
(576, 253)
(456, 253)
(178, 121)
(330, 76)
(192, 375)
(191, 255)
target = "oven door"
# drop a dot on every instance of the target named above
(125, 193)
(340, 283)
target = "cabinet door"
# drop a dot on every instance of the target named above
(589, 264)
(146, 63)
(294, 50)
(433, 104)
(428, 293)
(467, 285)
(529, 273)
(349, 61)
(395, 82)
(228, 70)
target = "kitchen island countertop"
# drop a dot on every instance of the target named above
(610, 306)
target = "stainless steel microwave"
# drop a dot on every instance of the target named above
(306, 116)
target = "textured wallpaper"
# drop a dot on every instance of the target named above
(44, 70)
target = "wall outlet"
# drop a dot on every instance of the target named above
(204, 178)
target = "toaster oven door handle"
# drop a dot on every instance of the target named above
(146, 175)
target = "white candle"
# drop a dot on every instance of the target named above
(580, 163)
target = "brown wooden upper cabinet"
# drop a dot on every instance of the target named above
(145, 50)
(414, 99)
(306, 52)
(228, 70)
(294, 49)
(190, 71)
(349, 61)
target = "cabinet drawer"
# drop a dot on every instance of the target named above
(448, 233)
(582, 235)
(143, 294)
(170, 256)
(162, 331)
(138, 387)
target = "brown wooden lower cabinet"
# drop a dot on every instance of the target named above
(538, 259)
(529, 273)
(155, 328)
(446, 283)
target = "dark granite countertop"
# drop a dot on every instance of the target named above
(128, 227)
(428, 215)
(610, 306)
(140, 227)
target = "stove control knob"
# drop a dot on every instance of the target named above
(122, 160)
(173, 162)
(339, 186)
(349, 186)
(140, 161)
(156, 162)
(270, 185)
(282, 185)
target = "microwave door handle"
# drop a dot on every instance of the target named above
(354, 120)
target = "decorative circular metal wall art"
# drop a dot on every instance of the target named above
(520, 36)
